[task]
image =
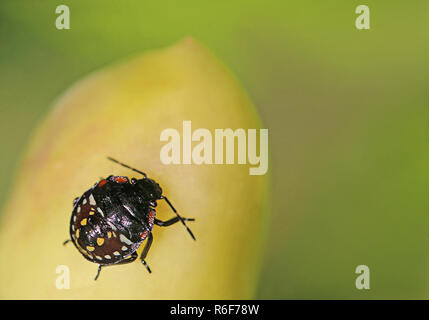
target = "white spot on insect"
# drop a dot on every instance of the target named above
(124, 239)
(73, 228)
(92, 200)
(99, 258)
(89, 256)
(78, 209)
(84, 201)
(74, 218)
(101, 212)
(116, 253)
(124, 248)
(112, 226)
(107, 256)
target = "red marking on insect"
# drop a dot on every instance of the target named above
(151, 216)
(143, 235)
(102, 182)
(121, 179)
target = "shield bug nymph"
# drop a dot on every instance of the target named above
(111, 220)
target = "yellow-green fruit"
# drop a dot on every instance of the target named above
(120, 112)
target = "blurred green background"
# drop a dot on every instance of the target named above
(347, 111)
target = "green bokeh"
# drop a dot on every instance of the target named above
(347, 111)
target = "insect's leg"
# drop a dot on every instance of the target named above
(98, 271)
(178, 216)
(127, 166)
(65, 242)
(131, 258)
(146, 250)
(171, 221)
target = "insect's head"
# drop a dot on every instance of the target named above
(149, 188)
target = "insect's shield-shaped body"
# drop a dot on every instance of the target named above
(110, 220)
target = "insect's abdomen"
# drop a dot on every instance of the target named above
(95, 236)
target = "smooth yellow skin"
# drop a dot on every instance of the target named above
(120, 112)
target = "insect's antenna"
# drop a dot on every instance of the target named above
(180, 218)
(127, 166)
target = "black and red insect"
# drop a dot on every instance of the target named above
(111, 220)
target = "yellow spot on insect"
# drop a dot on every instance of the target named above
(109, 234)
(90, 248)
(91, 213)
(100, 241)
(77, 233)
(83, 222)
